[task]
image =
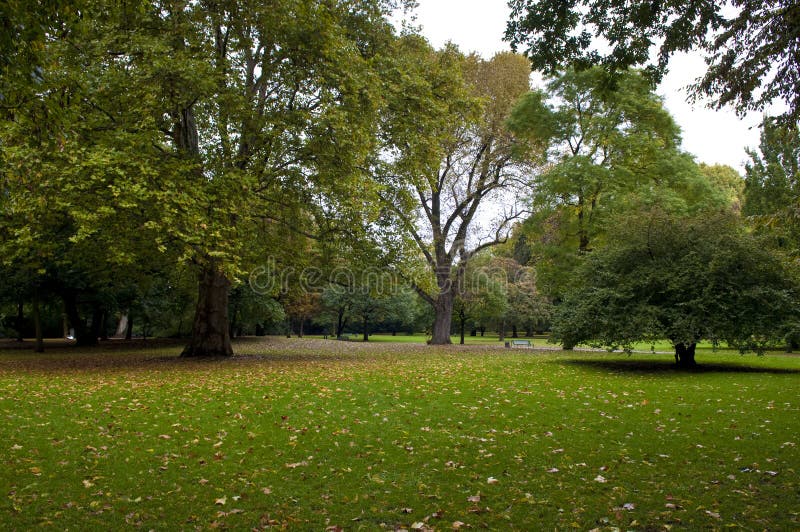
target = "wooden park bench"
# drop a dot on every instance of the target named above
(521, 343)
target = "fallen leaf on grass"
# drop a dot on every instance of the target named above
(474, 498)
(221, 501)
(492, 480)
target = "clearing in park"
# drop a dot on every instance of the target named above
(313, 434)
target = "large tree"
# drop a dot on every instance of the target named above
(449, 156)
(684, 279)
(239, 120)
(752, 48)
(611, 148)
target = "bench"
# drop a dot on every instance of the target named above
(521, 343)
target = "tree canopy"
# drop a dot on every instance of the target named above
(684, 279)
(751, 48)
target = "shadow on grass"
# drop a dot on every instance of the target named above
(666, 367)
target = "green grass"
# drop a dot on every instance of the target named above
(308, 434)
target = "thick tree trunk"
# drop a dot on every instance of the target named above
(502, 330)
(129, 330)
(37, 325)
(366, 329)
(684, 355)
(210, 332)
(443, 319)
(514, 331)
(83, 335)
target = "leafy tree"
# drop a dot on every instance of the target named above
(483, 298)
(728, 182)
(612, 149)
(772, 189)
(685, 279)
(750, 46)
(449, 155)
(233, 118)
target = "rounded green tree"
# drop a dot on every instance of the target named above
(684, 279)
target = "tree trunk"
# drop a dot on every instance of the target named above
(300, 328)
(20, 320)
(104, 326)
(443, 312)
(210, 332)
(37, 325)
(483, 330)
(502, 330)
(129, 329)
(83, 334)
(366, 329)
(122, 325)
(684, 355)
(514, 331)
(463, 320)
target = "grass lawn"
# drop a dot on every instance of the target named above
(313, 434)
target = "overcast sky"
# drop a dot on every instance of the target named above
(712, 136)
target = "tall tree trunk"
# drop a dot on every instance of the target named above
(684, 355)
(104, 326)
(300, 328)
(83, 334)
(37, 325)
(64, 325)
(483, 331)
(20, 320)
(463, 320)
(514, 331)
(443, 319)
(122, 325)
(129, 329)
(366, 328)
(210, 332)
(502, 330)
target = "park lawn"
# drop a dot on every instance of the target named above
(312, 434)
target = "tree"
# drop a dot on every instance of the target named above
(448, 156)
(750, 47)
(483, 298)
(772, 185)
(239, 120)
(611, 149)
(684, 279)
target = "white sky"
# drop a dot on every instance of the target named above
(712, 136)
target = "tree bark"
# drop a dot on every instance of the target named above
(684, 355)
(514, 331)
(210, 331)
(502, 330)
(122, 325)
(83, 335)
(37, 325)
(443, 319)
(129, 329)
(20, 320)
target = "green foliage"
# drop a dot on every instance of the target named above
(684, 279)
(772, 190)
(612, 149)
(749, 46)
